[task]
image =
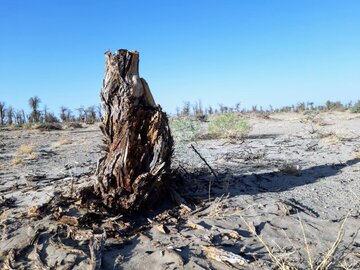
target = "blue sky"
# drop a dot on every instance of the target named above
(256, 52)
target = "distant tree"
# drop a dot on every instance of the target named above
(10, 115)
(356, 107)
(35, 114)
(23, 115)
(328, 105)
(223, 109)
(2, 113)
(51, 118)
(197, 109)
(300, 107)
(349, 105)
(81, 114)
(90, 114)
(334, 106)
(45, 114)
(186, 109)
(310, 106)
(20, 117)
(65, 114)
(286, 109)
(99, 112)
(70, 117)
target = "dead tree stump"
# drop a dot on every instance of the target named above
(132, 174)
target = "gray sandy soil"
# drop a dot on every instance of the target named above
(294, 183)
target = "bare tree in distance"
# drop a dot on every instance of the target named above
(35, 113)
(65, 114)
(10, 115)
(2, 113)
(90, 115)
(99, 112)
(20, 118)
(81, 114)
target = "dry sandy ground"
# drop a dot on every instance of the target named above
(294, 183)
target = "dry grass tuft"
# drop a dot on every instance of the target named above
(320, 122)
(331, 140)
(73, 125)
(25, 149)
(17, 161)
(329, 256)
(357, 154)
(65, 141)
(46, 126)
(307, 247)
(278, 261)
(33, 156)
(322, 262)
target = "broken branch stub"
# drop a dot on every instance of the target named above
(132, 173)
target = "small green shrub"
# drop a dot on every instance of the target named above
(228, 125)
(356, 107)
(185, 129)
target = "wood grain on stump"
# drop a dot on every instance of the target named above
(132, 173)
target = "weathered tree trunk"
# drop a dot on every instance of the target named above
(132, 174)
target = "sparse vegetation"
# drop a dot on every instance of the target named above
(10, 116)
(25, 149)
(328, 260)
(228, 125)
(65, 141)
(17, 161)
(73, 125)
(23, 153)
(92, 114)
(356, 107)
(46, 126)
(185, 129)
(197, 109)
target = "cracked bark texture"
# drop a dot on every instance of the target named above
(132, 174)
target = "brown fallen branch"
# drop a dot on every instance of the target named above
(224, 256)
(60, 245)
(210, 168)
(206, 163)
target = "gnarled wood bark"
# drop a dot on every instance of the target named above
(132, 174)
